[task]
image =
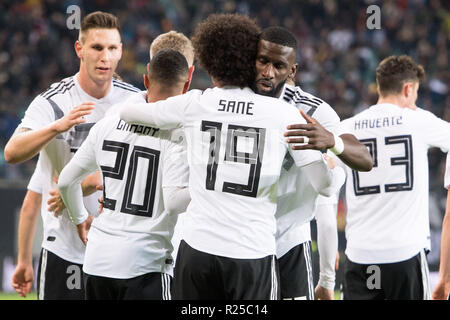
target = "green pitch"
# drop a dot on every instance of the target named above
(15, 296)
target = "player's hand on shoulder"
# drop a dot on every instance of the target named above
(74, 117)
(309, 136)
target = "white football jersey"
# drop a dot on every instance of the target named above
(387, 208)
(60, 236)
(447, 173)
(235, 151)
(132, 236)
(35, 183)
(296, 196)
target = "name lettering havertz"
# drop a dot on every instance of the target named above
(240, 107)
(198, 310)
(378, 123)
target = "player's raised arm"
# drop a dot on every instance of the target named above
(69, 183)
(164, 112)
(26, 142)
(312, 161)
(346, 146)
(167, 114)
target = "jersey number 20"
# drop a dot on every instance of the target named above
(118, 171)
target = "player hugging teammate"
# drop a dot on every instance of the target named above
(251, 161)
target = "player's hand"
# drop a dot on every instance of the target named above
(83, 229)
(100, 200)
(330, 161)
(74, 117)
(22, 279)
(321, 293)
(55, 203)
(310, 135)
(441, 291)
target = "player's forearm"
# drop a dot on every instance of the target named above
(338, 179)
(27, 226)
(327, 243)
(69, 185)
(444, 268)
(176, 199)
(355, 154)
(146, 114)
(320, 177)
(25, 144)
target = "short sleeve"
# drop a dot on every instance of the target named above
(35, 183)
(38, 114)
(327, 117)
(435, 131)
(344, 127)
(175, 165)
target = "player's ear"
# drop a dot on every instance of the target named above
(407, 89)
(293, 72)
(78, 48)
(146, 81)
(191, 72)
(120, 50)
(188, 82)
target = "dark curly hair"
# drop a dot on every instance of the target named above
(225, 46)
(394, 71)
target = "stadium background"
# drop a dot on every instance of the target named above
(337, 58)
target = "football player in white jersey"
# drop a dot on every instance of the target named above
(179, 42)
(235, 152)
(442, 289)
(145, 176)
(55, 124)
(276, 68)
(387, 223)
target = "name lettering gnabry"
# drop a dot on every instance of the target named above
(136, 128)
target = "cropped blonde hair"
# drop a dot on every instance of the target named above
(175, 41)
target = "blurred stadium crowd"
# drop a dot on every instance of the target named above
(337, 56)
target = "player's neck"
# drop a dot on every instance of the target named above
(154, 96)
(392, 99)
(92, 88)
